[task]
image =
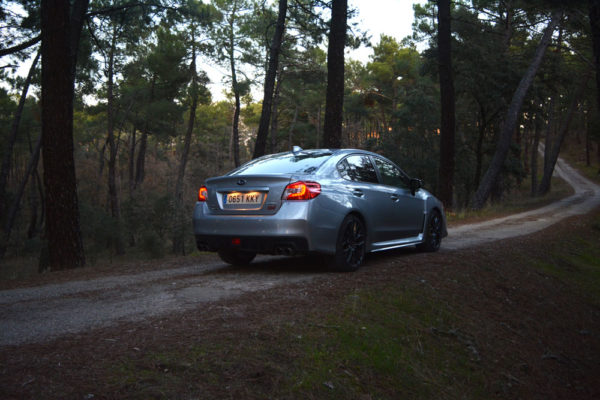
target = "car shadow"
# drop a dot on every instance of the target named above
(302, 264)
(310, 264)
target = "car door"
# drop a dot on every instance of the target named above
(366, 195)
(408, 209)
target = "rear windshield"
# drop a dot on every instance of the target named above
(284, 163)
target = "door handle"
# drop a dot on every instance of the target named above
(357, 192)
(394, 197)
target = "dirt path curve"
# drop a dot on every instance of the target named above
(39, 314)
(585, 199)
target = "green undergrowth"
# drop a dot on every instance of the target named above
(386, 344)
(382, 344)
(577, 261)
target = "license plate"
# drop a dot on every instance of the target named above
(249, 198)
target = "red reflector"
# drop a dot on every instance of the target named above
(236, 241)
(301, 191)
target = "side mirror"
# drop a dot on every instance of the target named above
(415, 184)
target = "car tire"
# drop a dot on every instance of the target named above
(236, 257)
(433, 233)
(351, 244)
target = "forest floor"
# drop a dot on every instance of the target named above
(509, 308)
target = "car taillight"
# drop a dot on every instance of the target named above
(202, 193)
(301, 191)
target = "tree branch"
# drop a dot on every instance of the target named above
(22, 46)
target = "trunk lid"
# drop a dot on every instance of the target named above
(246, 194)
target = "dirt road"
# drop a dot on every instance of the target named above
(38, 314)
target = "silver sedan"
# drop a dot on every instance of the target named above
(343, 203)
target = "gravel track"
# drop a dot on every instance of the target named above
(38, 314)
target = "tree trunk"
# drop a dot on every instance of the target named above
(32, 229)
(595, 25)
(334, 105)
(446, 171)
(179, 229)
(113, 194)
(275, 112)
(512, 115)
(235, 134)
(131, 161)
(554, 151)
(588, 143)
(140, 166)
(59, 56)
(265, 116)
(291, 130)
(319, 125)
(12, 213)
(12, 137)
(534, 153)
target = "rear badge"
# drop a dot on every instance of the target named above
(241, 182)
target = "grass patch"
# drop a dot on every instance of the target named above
(577, 262)
(382, 344)
(387, 344)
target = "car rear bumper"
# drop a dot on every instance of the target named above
(264, 245)
(286, 232)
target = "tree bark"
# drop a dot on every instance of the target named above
(334, 101)
(235, 134)
(479, 149)
(275, 113)
(534, 154)
(291, 129)
(140, 166)
(588, 143)
(113, 194)
(447, 138)
(131, 161)
(512, 115)
(59, 56)
(5, 169)
(12, 213)
(265, 116)
(595, 25)
(179, 231)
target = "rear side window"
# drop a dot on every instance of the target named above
(357, 168)
(391, 175)
(284, 163)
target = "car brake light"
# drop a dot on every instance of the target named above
(301, 191)
(202, 193)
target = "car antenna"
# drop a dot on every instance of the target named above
(296, 149)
